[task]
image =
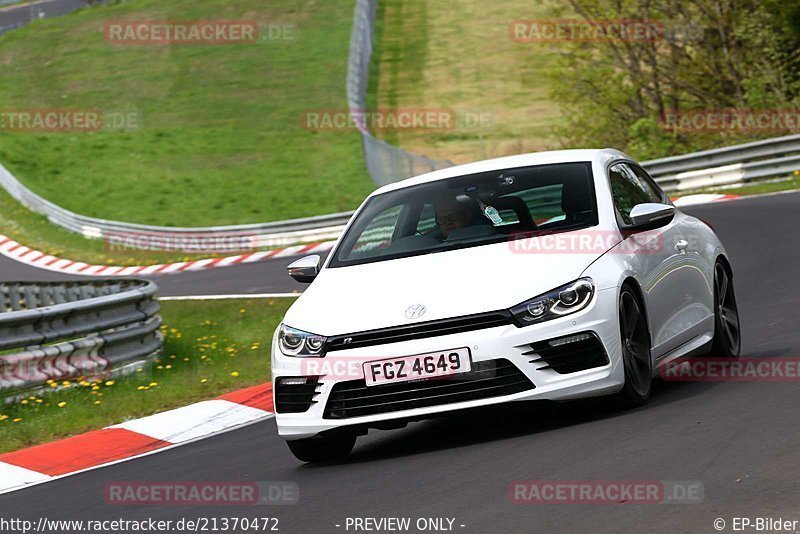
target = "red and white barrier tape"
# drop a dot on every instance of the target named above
(18, 252)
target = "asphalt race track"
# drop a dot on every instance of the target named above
(741, 440)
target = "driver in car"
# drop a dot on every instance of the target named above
(451, 215)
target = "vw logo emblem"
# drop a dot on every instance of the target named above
(414, 311)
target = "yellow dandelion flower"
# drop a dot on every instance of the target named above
(97, 402)
(39, 401)
(24, 401)
(53, 385)
(17, 420)
(203, 380)
(186, 359)
(3, 417)
(168, 367)
(153, 384)
(110, 382)
(66, 383)
(62, 404)
(234, 374)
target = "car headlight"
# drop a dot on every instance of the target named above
(294, 342)
(561, 301)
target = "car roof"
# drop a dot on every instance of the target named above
(599, 155)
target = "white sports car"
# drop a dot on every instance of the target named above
(555, 275)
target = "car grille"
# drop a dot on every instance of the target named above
(569, 354)
(422, 330)
(295, 398)
(487, 379)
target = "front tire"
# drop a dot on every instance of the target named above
(727, 332)
(636, 358)
(327, 448)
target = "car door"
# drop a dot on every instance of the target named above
(658, 257)
(696, 273)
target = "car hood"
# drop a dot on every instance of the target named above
(458, 282)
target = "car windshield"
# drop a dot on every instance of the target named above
(468, 211)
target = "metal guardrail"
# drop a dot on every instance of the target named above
(723, 156)
(729, 165)
(60, 331)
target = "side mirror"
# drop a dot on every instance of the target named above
(651, 215)
(305, 269)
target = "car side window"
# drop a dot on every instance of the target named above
(378, 232)
(656, 193)
(427, 219)
(628, 190)
(544, 203)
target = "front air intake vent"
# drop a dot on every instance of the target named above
(492, 378)
(569, 354)
(295, 394)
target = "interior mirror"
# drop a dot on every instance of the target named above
(305, 269)
(651, 215)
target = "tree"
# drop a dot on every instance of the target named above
(709, 55)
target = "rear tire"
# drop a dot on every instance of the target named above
(727, 332)
(636, 358)
(327, 448)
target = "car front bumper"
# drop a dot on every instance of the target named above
(506, 342)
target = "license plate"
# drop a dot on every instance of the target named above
(419, 366)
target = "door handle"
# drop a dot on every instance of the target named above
(681, 245)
